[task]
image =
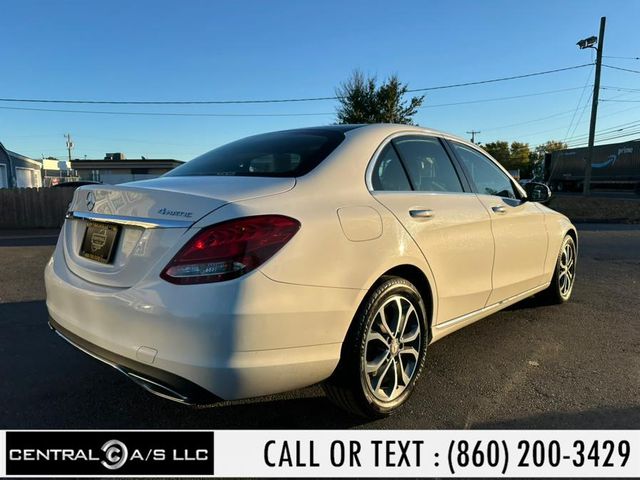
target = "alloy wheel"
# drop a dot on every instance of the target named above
(392, 349)
(567, 266)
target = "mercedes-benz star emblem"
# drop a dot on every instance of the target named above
(91, 201)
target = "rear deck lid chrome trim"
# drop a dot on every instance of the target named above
(132, 221)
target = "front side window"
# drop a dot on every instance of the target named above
(428, 164)
(388, 173)
(487, 177)
(280, 154)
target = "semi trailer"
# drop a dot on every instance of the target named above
(616, 165)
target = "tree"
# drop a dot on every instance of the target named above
(537, 156)
(551, 146)
(511, 157)
(519, 157)
(362, 101)
(499, 150)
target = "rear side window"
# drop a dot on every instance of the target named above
(280, 154)
(388, 173)
(428, 164)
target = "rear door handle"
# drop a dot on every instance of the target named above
(499, 209)
(421, 213)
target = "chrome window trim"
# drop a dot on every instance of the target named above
(130, 221)
(369, 171)
(385, 142)
(492, 160)
(441, 135)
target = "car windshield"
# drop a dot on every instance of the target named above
(280, 154)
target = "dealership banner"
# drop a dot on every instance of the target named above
(320, 453)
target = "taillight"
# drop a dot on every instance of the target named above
(230, 249)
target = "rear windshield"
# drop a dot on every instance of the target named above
(280, 154)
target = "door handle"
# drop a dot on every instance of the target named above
(499, 209)
(421, 213)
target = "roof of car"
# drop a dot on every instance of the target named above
(382, 127)
(393, 127)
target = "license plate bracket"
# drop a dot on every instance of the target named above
(99, 242)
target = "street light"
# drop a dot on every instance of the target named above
(587, 42)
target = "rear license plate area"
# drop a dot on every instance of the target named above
(100, 241)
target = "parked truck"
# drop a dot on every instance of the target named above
(616, 165)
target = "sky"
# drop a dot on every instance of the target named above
(250, 50)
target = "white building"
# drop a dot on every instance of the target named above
(56, 171)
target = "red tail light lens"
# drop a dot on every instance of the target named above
(230, 249)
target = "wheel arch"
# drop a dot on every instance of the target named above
(572, 232)
(419, 279)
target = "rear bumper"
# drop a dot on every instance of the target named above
(237, 339)
(154, 380)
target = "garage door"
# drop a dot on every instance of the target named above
(27, 178)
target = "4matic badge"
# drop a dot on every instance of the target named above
(175, 213)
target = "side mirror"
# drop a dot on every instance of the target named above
(537, 192)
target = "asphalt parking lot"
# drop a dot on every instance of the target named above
(531, 366)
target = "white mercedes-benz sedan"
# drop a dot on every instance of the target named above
(332, 254)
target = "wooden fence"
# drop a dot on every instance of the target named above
(34, 207)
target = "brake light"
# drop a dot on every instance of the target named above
(230, 249)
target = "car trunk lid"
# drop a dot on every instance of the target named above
(151, 216)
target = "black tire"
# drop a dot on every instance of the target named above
(557, 292)
(350, 387)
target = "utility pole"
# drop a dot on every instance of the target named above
(588, 43)
(69, 145)
(473, 135)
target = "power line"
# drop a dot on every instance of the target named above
(282, 100)
(608, 130)
(623, 135)
(566, 113)
(166, 102)
(622, 58)
(617, 112)
(495, 99)
(625, 93)
(584, 109)
(502, 79)
(620, 68)
(584, 89)
(484, 100)
(555, 115)
(606, 133)
(614, 137)
(171, 114)
(527, 122)
(532, 134)
(621, 89)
